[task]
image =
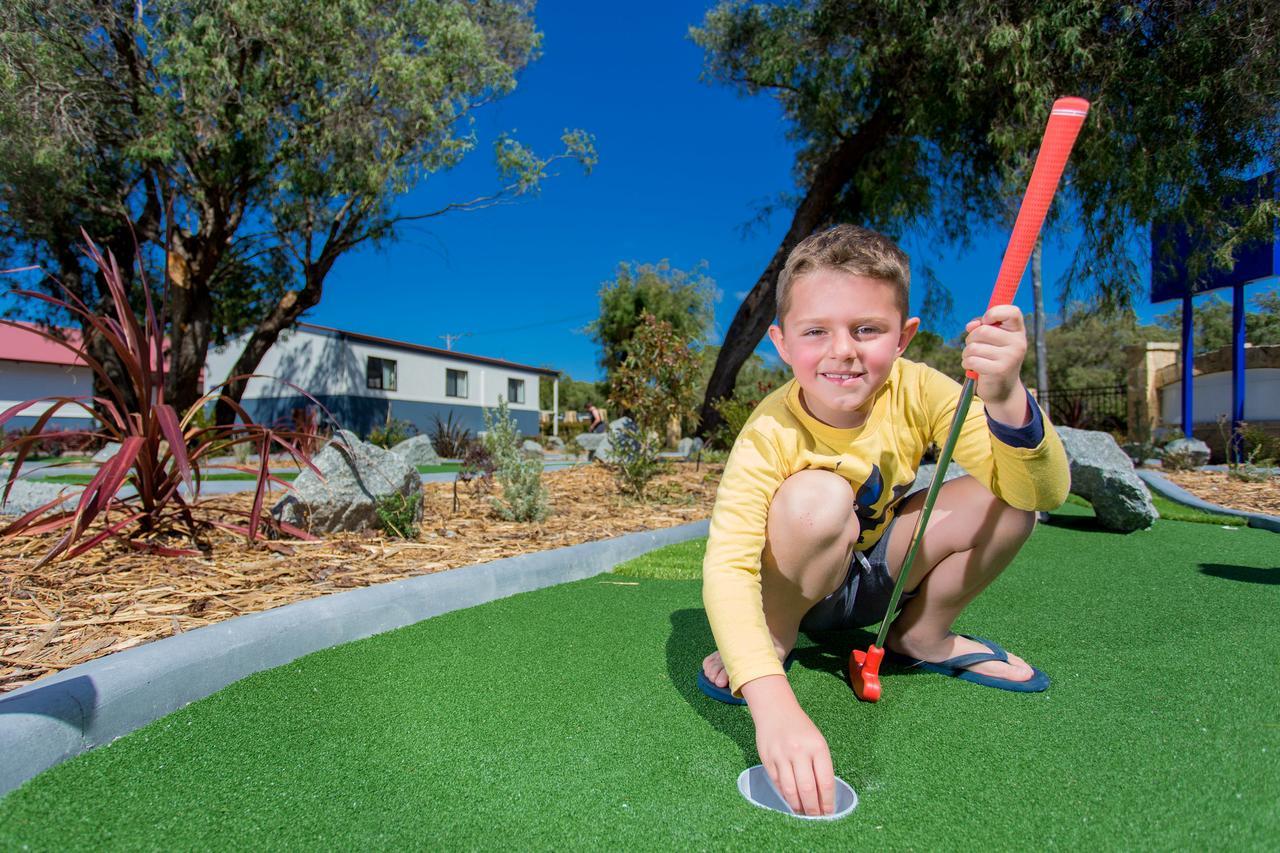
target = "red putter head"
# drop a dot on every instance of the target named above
(864, 673)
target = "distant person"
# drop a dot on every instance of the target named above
(597, 419)
(815, 509)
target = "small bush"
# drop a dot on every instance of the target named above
(163, 453)
(735, 413)
(1178, 460)
(398, 515)
(391, 433)
(524, 498)
(635, 460)
(451, 440)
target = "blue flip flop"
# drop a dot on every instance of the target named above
(722, 694)
(956, 668)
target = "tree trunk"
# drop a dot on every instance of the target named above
(758, 309)
(282, 317)
(1042, 358)
(190, 329)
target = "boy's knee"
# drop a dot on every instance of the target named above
(818, 504)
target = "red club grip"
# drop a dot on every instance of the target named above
(1065, 121)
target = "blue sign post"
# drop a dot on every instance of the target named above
(1171, 245)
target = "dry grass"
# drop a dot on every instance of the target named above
(114, 598)
(1218, 488)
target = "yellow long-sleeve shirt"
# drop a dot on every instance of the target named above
(914, 407)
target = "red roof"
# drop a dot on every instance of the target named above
(21, 343)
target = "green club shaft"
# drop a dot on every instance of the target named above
(962, 411)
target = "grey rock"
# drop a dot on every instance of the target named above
(417, 451)
(27, 496)
(1192, 450)
(590, 442)
(555, 444)
(688, 447)
(620, 430)
(110, 449)
(924, 475)
(1103, 474)
(532, 450)
(356, 477)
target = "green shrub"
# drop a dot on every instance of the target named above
(391, 433)
(735, 413)
(635, 460)
(524, 498)
(398, 515)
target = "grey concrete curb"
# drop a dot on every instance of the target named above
(62, 715)
(1179, 495)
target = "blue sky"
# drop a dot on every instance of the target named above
(685, 167)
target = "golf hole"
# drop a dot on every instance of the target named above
(757, 787)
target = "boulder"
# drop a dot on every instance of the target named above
(1190, 452)
(590, 442)
(532, 450)
(110, 449)
(27, 496)
(356, 477)
(622, 429)
(924, 475)
(555, 444)
(1103, 474)
(417, 451)
(689, 447)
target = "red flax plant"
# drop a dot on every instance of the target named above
(159, 450)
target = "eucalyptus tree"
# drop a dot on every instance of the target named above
(249, 143)
(921, 116)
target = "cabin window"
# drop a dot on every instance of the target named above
(455, 383)
(381, 374)
(515, 390)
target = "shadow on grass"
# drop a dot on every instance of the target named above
(690, 641)
(1245, 574)
(1084, 523)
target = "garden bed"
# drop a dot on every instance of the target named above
(114, 598)
(1217, 487)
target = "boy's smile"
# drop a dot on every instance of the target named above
(840, 337)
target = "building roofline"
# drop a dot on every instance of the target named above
(390, 342)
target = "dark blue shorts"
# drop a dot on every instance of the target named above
(863, 597)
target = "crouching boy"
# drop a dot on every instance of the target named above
(814, 514)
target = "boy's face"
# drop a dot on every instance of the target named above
(840, 337)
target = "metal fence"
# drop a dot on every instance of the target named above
(1102, 407)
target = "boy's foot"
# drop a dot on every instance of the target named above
(1016, 669)
(714, 671)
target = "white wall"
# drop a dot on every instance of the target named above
(322, 364)
(1211, 397)
(24, 380)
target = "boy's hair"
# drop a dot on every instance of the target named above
(851, 249)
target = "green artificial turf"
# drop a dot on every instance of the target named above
(569, 718)
(442, 468)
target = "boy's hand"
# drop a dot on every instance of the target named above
(995, 347)
(792, 750)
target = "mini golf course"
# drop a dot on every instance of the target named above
(568, 718)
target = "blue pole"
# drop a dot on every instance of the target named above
(1237, 371)
(1188, 357)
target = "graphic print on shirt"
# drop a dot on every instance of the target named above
(869, 518)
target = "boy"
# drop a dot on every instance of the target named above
(812, 519)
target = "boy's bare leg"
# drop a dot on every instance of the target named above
(972, 537)
(808, 545)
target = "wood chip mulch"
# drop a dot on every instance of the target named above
(1217, 487)
(113, 597)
